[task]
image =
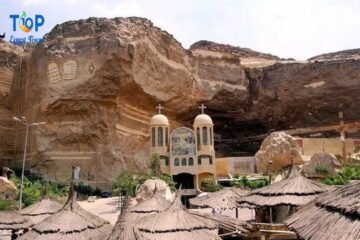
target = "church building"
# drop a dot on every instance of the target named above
(188, 155)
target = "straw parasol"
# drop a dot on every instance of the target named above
(14, 221)
(295, 190)
(71, 222)
(220, 200)
(229, 224)
(41, 209)
(335, 216)
(124, 227)
(155, 204)
(177, 223)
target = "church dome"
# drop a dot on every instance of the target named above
(159, 119)
(203, 119)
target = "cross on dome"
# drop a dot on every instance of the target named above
(202, 107)
(159, 107)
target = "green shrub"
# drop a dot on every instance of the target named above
(210, 185)
(126, 182)
(8, 205)
(250, 184)
(321, 170)
(346, 174)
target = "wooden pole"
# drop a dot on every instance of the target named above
(342, 137)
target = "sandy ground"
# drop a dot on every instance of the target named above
(105, 208)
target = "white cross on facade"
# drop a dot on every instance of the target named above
(202, 107)
(159, 107)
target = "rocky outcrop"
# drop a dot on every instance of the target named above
(8, 189)
(95, 82)
(277, 151)
(150, 186)
(321, 165)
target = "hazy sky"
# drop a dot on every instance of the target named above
(286, 28)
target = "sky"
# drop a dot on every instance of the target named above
(286, 28)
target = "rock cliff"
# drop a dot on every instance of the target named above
(96, 82)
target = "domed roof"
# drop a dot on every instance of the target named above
(203, 119)
(159, 119)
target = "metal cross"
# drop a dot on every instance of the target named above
(159, 107)
(202, 107)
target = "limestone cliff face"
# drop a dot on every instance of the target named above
(96, 83)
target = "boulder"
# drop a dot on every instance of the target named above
(147, 189)
(277, 151)
(8, 189)
(321, 165)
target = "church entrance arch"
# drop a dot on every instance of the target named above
(185, 180)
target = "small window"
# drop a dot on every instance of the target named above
(205, 136)
(210, 160)
(198, 138)
(176, 162)
(164, 160)
(153, 137)
(199, 160)
(183, 162)
(167, 136)
(191, 162)
(160, 137)
(211, 136)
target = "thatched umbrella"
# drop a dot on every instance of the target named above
(291, 192)
(295, 190)
(41, 209)
(335, 216)
(230, 226)
(177, 223)
(220, 200)
(13, 221)
(124, 227)
(71, 222)
(155, 204)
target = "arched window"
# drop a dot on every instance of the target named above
(176, 162)
(191, 162)
(198, 138)
(167, 136)
(160, 137)
(183, 162)
(164, 160)
(153, 137)
(199, 160)
(205, 136)
(211, 136)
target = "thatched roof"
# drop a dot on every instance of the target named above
(335, 216)
(124, 227)
(156, 203)
(221, 200)
(229, 224)
(14, 221)
(295, 190)
(177, 223)
(71, 222)
(41, 209)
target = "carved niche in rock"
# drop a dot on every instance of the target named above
(70, 69)
(53, 73)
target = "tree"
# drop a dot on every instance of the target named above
(155, 165)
